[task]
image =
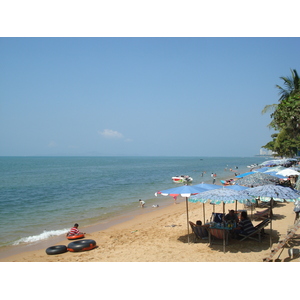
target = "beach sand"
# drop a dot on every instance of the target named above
(161, 236)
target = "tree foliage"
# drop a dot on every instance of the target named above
(286, 118)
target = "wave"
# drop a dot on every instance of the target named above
(42, 236)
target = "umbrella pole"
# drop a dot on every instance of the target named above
(203, 214)
(271, 217)
(187, 219)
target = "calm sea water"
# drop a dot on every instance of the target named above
(41, 197)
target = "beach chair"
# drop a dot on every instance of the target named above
(258, 232)
(264, 214)
(200, 232)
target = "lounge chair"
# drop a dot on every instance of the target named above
(258, 232)
(264, 214)
(200, 232)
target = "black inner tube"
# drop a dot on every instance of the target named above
(56, 249)
(80, 245)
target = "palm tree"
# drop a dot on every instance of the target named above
(292, 86)
(286, 116)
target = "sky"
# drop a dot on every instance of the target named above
(164, 96)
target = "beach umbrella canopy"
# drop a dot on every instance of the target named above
(208, 186)
(263, 170)
(257, 179)
(184, 191)
(275, 169)
(278, 162)
(288, 172)
(276, 175)
(236, 187)
(275, 192)
(220, 195)
(244, 174)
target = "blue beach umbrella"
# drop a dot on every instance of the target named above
(244, 174)
(184, 191)
(263, 170)
(276, 175)
(208, 186)
(236, 187)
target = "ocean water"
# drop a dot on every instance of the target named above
(42, 197)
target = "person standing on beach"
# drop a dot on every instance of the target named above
(142, 203)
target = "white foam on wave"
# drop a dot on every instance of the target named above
(43, 236)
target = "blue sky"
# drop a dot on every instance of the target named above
(140, 96)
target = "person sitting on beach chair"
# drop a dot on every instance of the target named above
(231, 217)
(244, 227)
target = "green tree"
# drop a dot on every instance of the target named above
(286, 117)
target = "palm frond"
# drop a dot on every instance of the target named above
(268, 108)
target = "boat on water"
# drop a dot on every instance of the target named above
(182, 179)
(252, 166)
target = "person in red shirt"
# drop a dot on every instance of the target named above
(74, 231)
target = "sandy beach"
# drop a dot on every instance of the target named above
(161, 236)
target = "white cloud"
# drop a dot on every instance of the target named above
(109, 133)
(52, 144)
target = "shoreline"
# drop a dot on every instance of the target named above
(45, 227)
(13, 250)
(160, 235)
(163, 202)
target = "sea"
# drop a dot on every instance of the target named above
(42, 197)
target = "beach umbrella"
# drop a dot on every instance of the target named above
(273, 193)
(263, 170)
(288, 172)
(184, 191)
(275, 174)
(274, 169)
(244, 174)
(218, 196)
(236, 187)
(257, 179)
(207, 186)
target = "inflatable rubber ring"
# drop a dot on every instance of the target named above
(56, 249)
(75, 237)
(82, 245)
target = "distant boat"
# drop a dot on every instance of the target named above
(182, 179)
(252, 166)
